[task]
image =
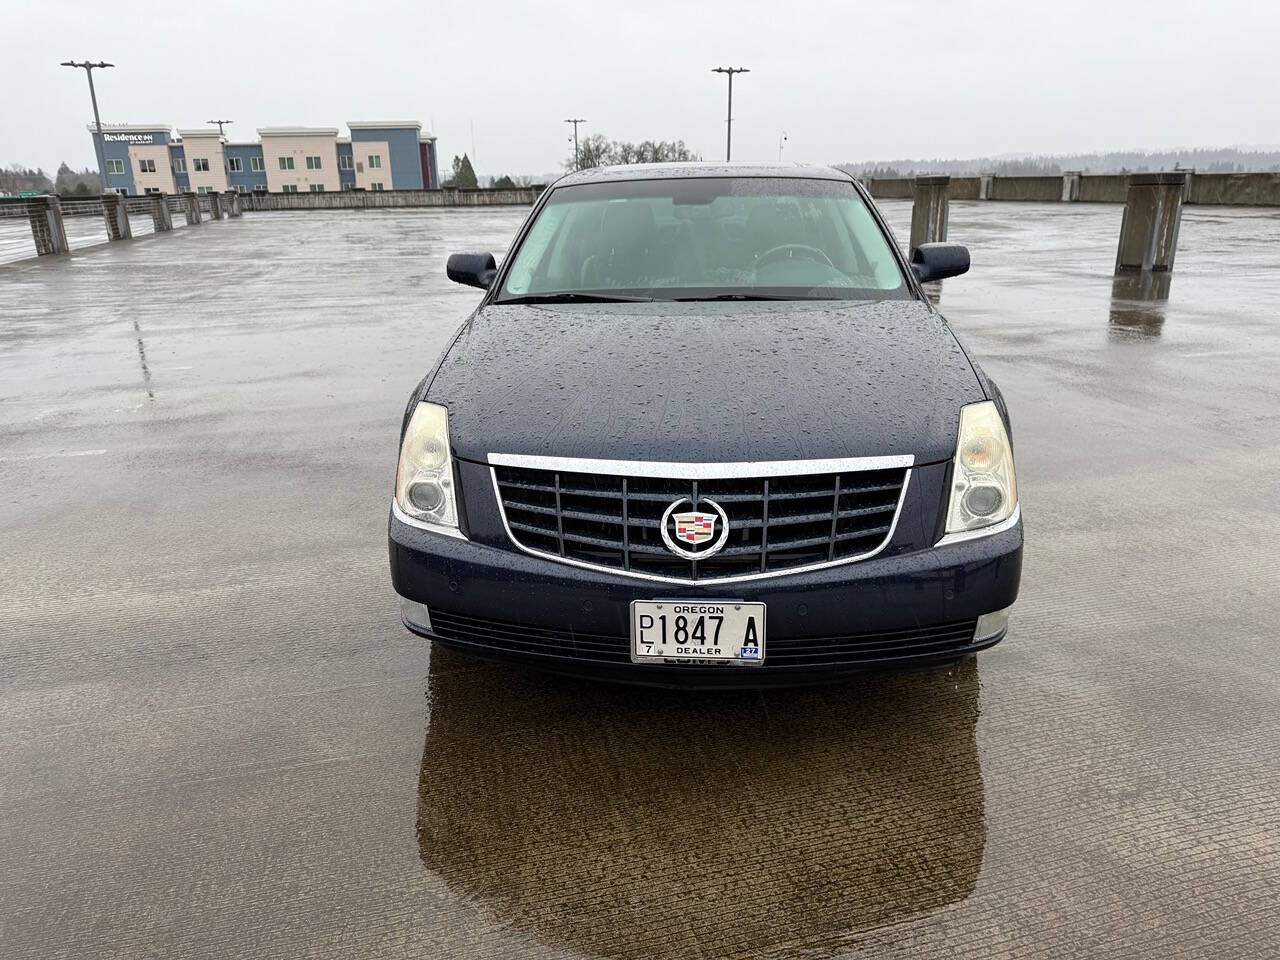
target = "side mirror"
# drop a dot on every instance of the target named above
(473, 269)
(937, 261)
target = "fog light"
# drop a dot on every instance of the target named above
(982, 500)
(415, 614)
(991, 624)
(426, 495)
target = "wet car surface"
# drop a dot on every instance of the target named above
(219, 741)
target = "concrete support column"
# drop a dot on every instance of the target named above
(984, 185)
(116, 216)
(233, 203)
(1149, 228)
(47, 230)
(191, 202)
(929, 210)
(215, 205)
(1070, 186)
(160, 215)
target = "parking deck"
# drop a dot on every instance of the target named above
(219, 741)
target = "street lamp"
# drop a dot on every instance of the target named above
(575, 139)
(782, 140)
(220, 123)
(88, 68)
(728, 140)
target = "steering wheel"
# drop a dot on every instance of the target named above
(777, 253)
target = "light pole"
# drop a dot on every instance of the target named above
(728, 139)
(782, 140)
(575, 139)
(88, 69)
(220, 123)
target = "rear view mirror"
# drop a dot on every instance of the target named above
(937, 261)
(473, 269)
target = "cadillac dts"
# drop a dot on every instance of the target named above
(706, 428)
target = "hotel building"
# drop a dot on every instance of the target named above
(381, 155)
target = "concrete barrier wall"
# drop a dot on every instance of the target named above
(1245, 189)
(1229, 189)
(1104, 188)
(382, 199)
(884, 188)
(1026, 188)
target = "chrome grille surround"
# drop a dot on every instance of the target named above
(560, 488)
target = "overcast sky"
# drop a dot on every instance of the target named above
(845, 81)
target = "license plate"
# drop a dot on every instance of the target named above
(697, 632)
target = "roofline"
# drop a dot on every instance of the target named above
(132, 128)
(383, 124)
(297, 131)
(200, 132)
(427, 138)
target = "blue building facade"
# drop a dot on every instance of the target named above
(246, 168)
(346, 165)
(402, 145)
(178, 164)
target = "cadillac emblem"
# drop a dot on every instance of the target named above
(692, 533)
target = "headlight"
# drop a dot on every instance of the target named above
(424, 479)
(983, 489)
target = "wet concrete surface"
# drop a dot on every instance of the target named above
(218, 740)
(83, 233)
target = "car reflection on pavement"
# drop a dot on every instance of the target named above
(650, 823)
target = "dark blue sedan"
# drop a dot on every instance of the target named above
(705, 428)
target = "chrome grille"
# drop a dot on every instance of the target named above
(776, 523)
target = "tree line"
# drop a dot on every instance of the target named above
(1203, 160)
(16, 178)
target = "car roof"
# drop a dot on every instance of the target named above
(672, 171)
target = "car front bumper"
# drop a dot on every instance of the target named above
(905, 608)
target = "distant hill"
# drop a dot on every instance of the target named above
(1201, 159)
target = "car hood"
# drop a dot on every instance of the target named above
(705, 382)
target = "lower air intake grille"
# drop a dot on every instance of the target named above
(851, 649)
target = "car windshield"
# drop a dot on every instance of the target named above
(705, 238)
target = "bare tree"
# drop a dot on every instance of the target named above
(598, 150)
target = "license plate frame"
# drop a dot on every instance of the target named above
(733, 639)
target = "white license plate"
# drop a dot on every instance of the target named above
(697, 631)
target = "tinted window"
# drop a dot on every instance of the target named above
(706, 237)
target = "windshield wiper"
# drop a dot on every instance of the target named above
(739, 296)
(575, 298)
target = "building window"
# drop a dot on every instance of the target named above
(348, 186)
(204, 189)
(115, 166)
(151, 190)
(344, 162)
(375, 162)
(286, 163)
(259, 188)
(241, 188)
(200, 164)
(235, 164)
(313, 163)
(146, 166)
(376, 185)
(316, 188)
(289, 188)
(256, 164)
(179, 164)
